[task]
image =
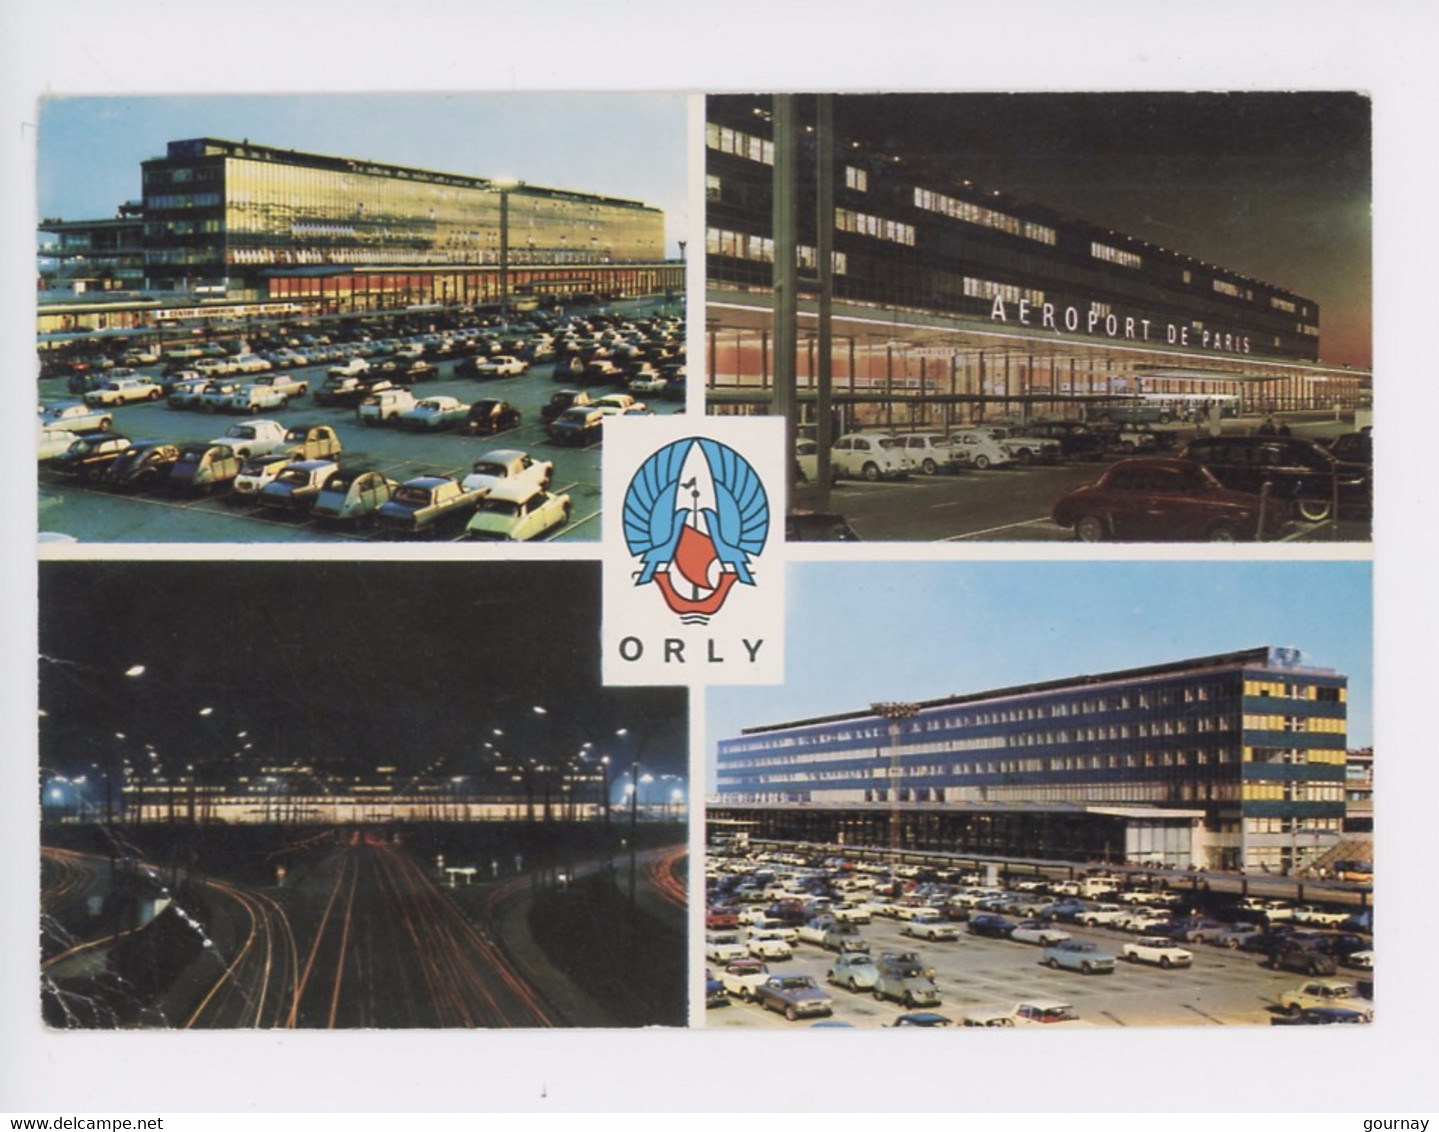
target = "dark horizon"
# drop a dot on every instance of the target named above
(344, 665)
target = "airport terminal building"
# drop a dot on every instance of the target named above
(238, 221)
(1229, 761)
(954, 302)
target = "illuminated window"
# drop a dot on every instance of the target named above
(1115, 255)
(857, 179)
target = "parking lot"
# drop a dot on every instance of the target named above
(1014, 503)
(91, 513)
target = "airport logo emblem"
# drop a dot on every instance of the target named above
(695, 514)
(694, 554)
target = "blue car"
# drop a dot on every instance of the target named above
(1077, 955)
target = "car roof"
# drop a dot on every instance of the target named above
(501, 455)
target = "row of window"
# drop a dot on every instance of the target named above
(1224, 287)
(183, 200)
(1294, 756)
(1282, 304)
(1166, 758)
(1294, 723)
(1321, 693)
(1290, 825)
(1115, 255)
(863, 224)
(972, 213)
(1292, 790)
(989, 290)
(739, 144)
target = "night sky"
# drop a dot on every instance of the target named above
(340, 663)
(1273, 185)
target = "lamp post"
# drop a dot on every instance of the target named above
(894, 713)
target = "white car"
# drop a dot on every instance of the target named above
(977, 448)
(868, 456)
(1362, 959)
(254, 474)
(54, 441)
(75, 416)
(435, 413)
(769, 945)
(1158, 950)
(723, 947)
(518, 512)
(1037, 931)
(931, 926)
(618, 404)
(928, 452)
(253, 438)
(1031, 1012)
(508, 465)
(502, 365)
(124, 391)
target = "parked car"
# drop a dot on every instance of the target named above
(501, 365)
(434, 414)
(794, 996)
(1318, 993)
(927, 452)
(52, 442)
(1298, 470)
(145, 464)
(518, 512)
(1078, 955)
(715, 994)
(564, 399)
(1040, 932)
(867, 456)
(257, 399)
(1027, 448)
(76, 416)
(124, 391)
(253, 438)
(254, 474)
(297, 485)
(1163, 499)
(931, 926)
(925, 1018)
(1077, 441)
(988, 924)
(1322, 1016)
(1354, 447)
(489, 416)
(724, 947)
(1305, 960)
(618, 405)
(767, 945)
(742, 977)
(855, 970)
(427, 504)
(582, 424)
(905, 981)
(204, 467)
(385, 406)
(89, 454)
(978, 448)
(1158, 950)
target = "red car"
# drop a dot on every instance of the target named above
(721, 920)
(1156, 499)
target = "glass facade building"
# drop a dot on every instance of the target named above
(1252, 743)
(222, 215)
(965, 302)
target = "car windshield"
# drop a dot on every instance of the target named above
(797, 982)
(416, 495)
(489, 468)
(293, 475)
(500, 507)
(242, 432)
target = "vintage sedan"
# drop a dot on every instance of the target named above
(253, 438)
(298, 485)
(794, 996)
(742, 977)
(926, 1018)
(353, 496)
(855, 970)
(724, 947)
(144, 464)
(715, 994)
(1078, 955)
(53, 441)
(435, 413)
(204, 467)
(518, 512)
(1041, 932)
(907, 982)
(764, 944)
(489, 416)
(124, 391)
(987, 924)
(508, 466)
(1158, 950)
(930, 926)
(75, 416)
(1324, 992)
(255, 473)
(89, 455)
(1162, 499)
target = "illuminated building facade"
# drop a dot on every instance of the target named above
(961, 302)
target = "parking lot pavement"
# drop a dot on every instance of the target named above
(92, 514)
(1014, 503)
(972, 973)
